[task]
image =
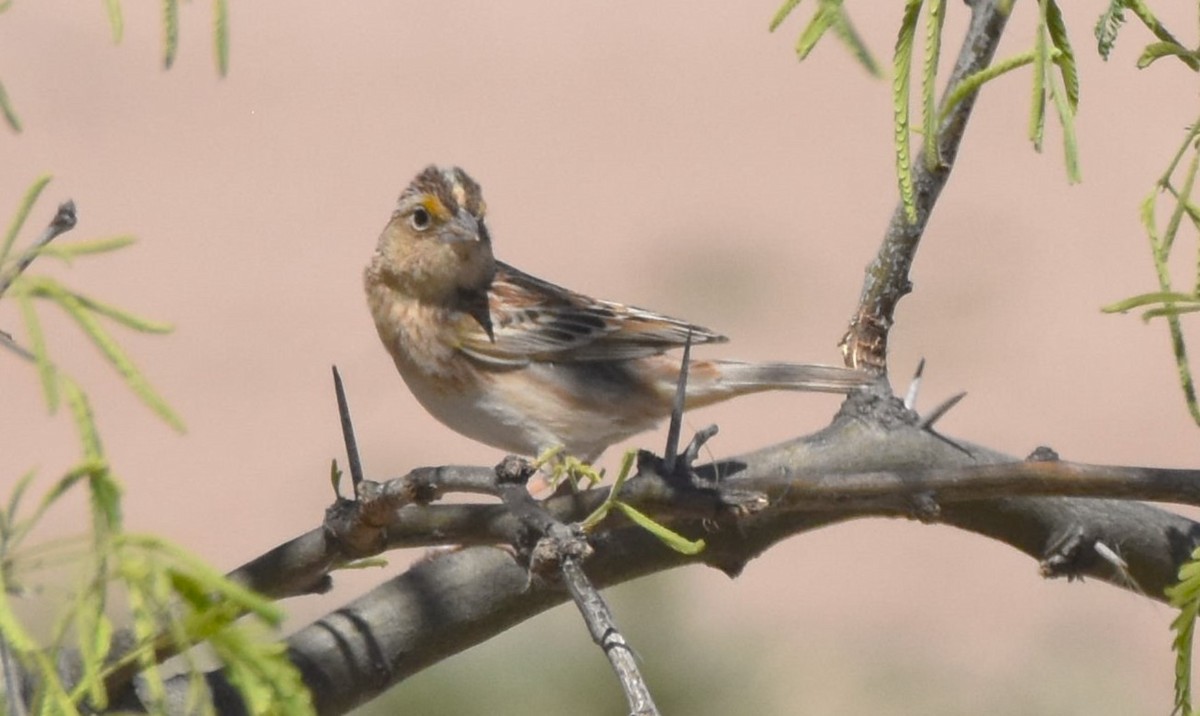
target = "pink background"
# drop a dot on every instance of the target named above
(671, 155)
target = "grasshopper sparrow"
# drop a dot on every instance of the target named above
(524, 365)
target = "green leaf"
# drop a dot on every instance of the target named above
(821, 21)
(602, 511)
(335, 477)
(60, 488)
(221, 35)
(95, 632)
(782, 13)
(125, 318)
(115, 20)
(208, 579)
(170, 32)
(14, 500)
(1148, 207)
(1148, 299)
(1066, 117)
(145, 585)
(1065, 57)
(1158, 50)
(1185, 596)
(262, 674)
(83, 315)
(670, 538)
(1041, 58)
(1177, 213)
(902, 67)
(85, 422)
(933, 51)
(1108, 26)
(1169, 311)
(853, 41)
(1143, 13)
(972, 82)
(37, 345)
(70, 250)
(9, 112)
(23, 209)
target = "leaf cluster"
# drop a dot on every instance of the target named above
(173, 600)
(170, 30)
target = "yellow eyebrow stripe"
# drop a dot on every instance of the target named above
(435, 207)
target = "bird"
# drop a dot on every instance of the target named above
(527, 366)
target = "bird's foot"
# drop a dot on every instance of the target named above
(559, 468)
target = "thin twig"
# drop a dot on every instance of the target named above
(64, 220)
(7, 341)
(607, 636)
(564, 547)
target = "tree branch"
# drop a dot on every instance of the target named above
(874, 460)
(886, 282)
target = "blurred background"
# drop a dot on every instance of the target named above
(671, 155)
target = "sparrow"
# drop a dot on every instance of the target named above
(524, 365)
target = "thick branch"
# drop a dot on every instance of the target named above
(875, 460)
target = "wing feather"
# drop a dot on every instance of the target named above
(537, 321)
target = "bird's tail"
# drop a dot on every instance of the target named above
(741, 378)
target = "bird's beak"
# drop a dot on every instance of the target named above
(465, 228)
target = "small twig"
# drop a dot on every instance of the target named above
(64, 220)
(564, 547)
(352, 460)
(7, 341)
(360, 526)
(702, 436)
(607, 636)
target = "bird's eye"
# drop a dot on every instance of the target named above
(420, 219)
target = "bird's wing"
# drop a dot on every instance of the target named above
(535, 320)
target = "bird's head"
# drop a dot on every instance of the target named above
(436, 245)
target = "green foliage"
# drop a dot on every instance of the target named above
(1113, 18)
(170, 24)
(830, 15)
(86, 311)
(1052, 49)
(902, 67)
(10, 113)
(221, 35)
(1166, 302)
(1185, 596)
(667, 536)
(174, 601)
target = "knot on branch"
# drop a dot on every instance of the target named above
(359, 526)
(1042, 453)
(514, 470)
(551, 552)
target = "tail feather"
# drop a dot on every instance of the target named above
(752, 377)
